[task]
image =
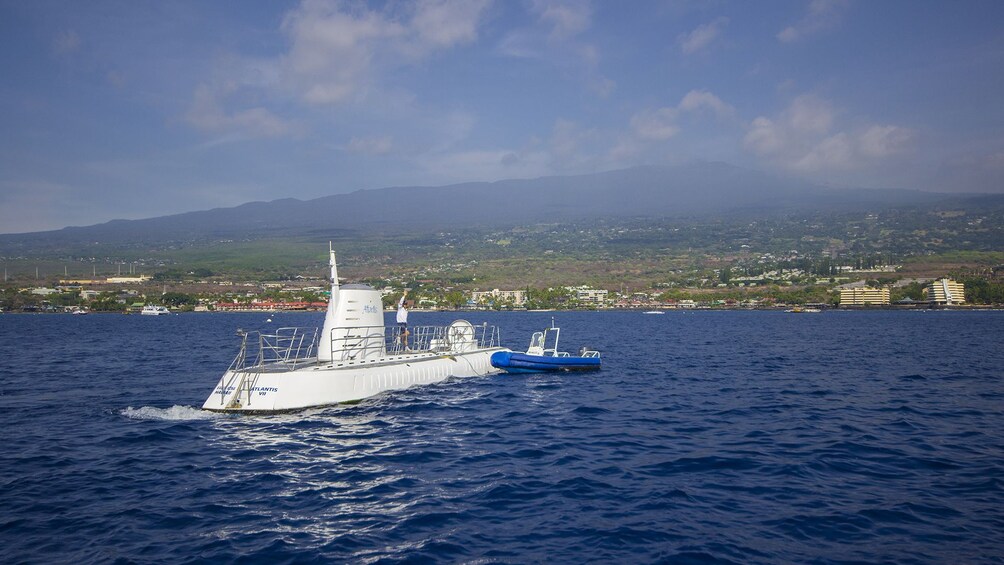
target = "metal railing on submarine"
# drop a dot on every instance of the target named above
(291, 348)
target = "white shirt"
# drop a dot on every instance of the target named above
(402, 312)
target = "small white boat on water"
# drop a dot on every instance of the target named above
(354, 356)
(152, 310)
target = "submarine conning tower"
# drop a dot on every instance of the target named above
(353, 326)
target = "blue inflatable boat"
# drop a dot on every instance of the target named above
(543, 356)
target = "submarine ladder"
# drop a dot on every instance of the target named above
(246, 385)
(239, 368)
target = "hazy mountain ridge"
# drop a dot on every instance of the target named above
(692, 190)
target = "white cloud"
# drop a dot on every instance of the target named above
(662, 123)
(207, 113)
(764, 138)
(701, 36)
(332, 49)
(565, 18)
(821, 16)
(554, 38)
(520, 43)
(656, 125)
(339, 53)
(805, 137)
(339, 49)
(553, 33)
(697, 100)
(833, 153)
(884, 141)
(444, 23)
(624, 150)
(802, 124)
(810, 114)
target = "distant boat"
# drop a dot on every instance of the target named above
(79, 312)
(542, 356)
(151, 310)
(801, 310)
(654, 312)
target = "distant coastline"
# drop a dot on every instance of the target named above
(775, 308)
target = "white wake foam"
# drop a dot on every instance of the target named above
(172, 413)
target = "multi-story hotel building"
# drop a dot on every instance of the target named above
(514, 297)
(591, 296)
(946, 291)
(864, 296)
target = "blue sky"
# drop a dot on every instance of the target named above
(133, 109)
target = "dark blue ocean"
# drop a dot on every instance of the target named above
(708, 437)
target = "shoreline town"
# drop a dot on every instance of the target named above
(938, 294)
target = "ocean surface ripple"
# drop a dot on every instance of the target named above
(708, 437)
